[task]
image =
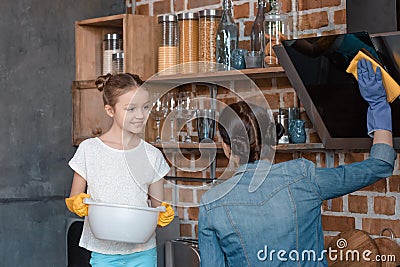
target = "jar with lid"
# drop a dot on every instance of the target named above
(188, 24)
(208, 25)
(112, 44)
(168, 43)
(118, 63)
(227, 36)
(276, 29)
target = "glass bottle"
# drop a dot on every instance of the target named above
(276, 29)
(257, 30)
(227, 36)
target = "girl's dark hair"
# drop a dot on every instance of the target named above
(113, 86)
(247, 129)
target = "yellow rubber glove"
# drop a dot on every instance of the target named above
(75, 204)
(164, 218)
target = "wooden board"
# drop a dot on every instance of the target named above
(350, 242)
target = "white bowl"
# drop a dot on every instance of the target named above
(122, 223)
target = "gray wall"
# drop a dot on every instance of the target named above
(37, 66)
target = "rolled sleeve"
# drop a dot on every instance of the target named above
(383, 152)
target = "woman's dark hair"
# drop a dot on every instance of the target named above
(247, 129)
(113, 86)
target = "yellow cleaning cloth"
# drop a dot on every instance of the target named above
(392, 88)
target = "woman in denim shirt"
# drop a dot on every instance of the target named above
(278, 223)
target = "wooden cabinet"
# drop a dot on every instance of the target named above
(140, 51)
(139, 35)
(89, 118)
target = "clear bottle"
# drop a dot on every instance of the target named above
(276, 29)
(257, 30)
(227, 36)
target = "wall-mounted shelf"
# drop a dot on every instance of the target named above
(218, 146)
(218, 76)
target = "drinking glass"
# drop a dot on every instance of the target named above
(157, 113)
(189, 107)
(170, 110)
(205, 124)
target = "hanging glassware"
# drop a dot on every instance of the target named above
(227, 36)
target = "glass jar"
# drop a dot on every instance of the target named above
(227, 36)
(208, 25)
(188, 24)
(276, 29)
(112, 44)
(168, 43)
(118, 63)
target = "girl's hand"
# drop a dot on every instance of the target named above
(165, 218)
(75, 204)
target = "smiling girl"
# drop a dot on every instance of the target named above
(121, 168)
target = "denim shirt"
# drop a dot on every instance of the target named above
(279, 224)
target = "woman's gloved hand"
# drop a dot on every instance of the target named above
(379, 115)
(164, 218)
(75, 204)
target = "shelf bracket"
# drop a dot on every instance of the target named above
(330, 163)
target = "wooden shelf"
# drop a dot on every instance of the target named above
(140, 50)
(218, 146)
(219, 76)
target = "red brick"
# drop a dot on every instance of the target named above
(286, 6)
(314, 138)
(282, 157)
(161, 7)
(379, 186)
(309, 155)
(196, 3)
(375, 226)
(181, 212)
(142, 10)
(264, 84)
(337, 205)
(241, 11)
(200, 193)
(185, 195)
(193, 213)
(245, 44)
(337, 223)
(313, 21)
(385, 205)
(358, 204)
(394, 183)
(283, 83)
(179, 5)
(353, 157)
(247, 28)
(273, 100)
(313, 4)
(289, 99)
(340, 17)
(168, 194)
(185, 230)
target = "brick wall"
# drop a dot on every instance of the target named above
(372, 208)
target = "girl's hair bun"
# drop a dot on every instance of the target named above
(102, 80)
